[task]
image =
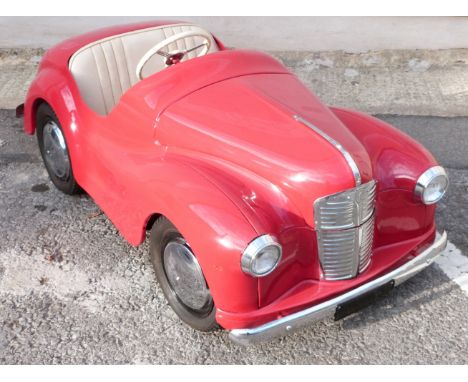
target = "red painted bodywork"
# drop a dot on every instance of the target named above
(211, 144)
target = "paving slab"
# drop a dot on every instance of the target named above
(17, 69)
(402, 82)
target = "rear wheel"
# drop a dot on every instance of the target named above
(54, 150)
(181, 277)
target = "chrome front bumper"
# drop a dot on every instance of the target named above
(286, 325)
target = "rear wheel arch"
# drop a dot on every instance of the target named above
(49, 86)
(34, 108)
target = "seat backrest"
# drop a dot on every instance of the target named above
(105, 69)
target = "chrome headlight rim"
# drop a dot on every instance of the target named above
(425, 180)
(254, 250)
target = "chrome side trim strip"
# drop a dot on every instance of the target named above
(288, 324)
(351, 163)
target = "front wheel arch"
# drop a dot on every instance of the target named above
(151, 220)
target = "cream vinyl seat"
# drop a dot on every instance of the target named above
(105, 69)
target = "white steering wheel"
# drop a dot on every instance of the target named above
(174, 56)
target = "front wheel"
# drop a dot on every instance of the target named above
(181, 277)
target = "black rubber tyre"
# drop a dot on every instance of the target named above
(163, 233)
(44, 115)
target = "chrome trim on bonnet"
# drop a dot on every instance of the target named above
(347, 156)
(286, 325)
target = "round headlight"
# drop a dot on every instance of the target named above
(261, 256)
(432, 185)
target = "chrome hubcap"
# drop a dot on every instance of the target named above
(55, 151)
(185, 275)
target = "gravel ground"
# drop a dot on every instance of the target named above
(73, 291)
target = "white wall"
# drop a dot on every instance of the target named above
(267, 33)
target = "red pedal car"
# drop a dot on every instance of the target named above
(267, 209)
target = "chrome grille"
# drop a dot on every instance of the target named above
(366, 240)
(345, 228)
